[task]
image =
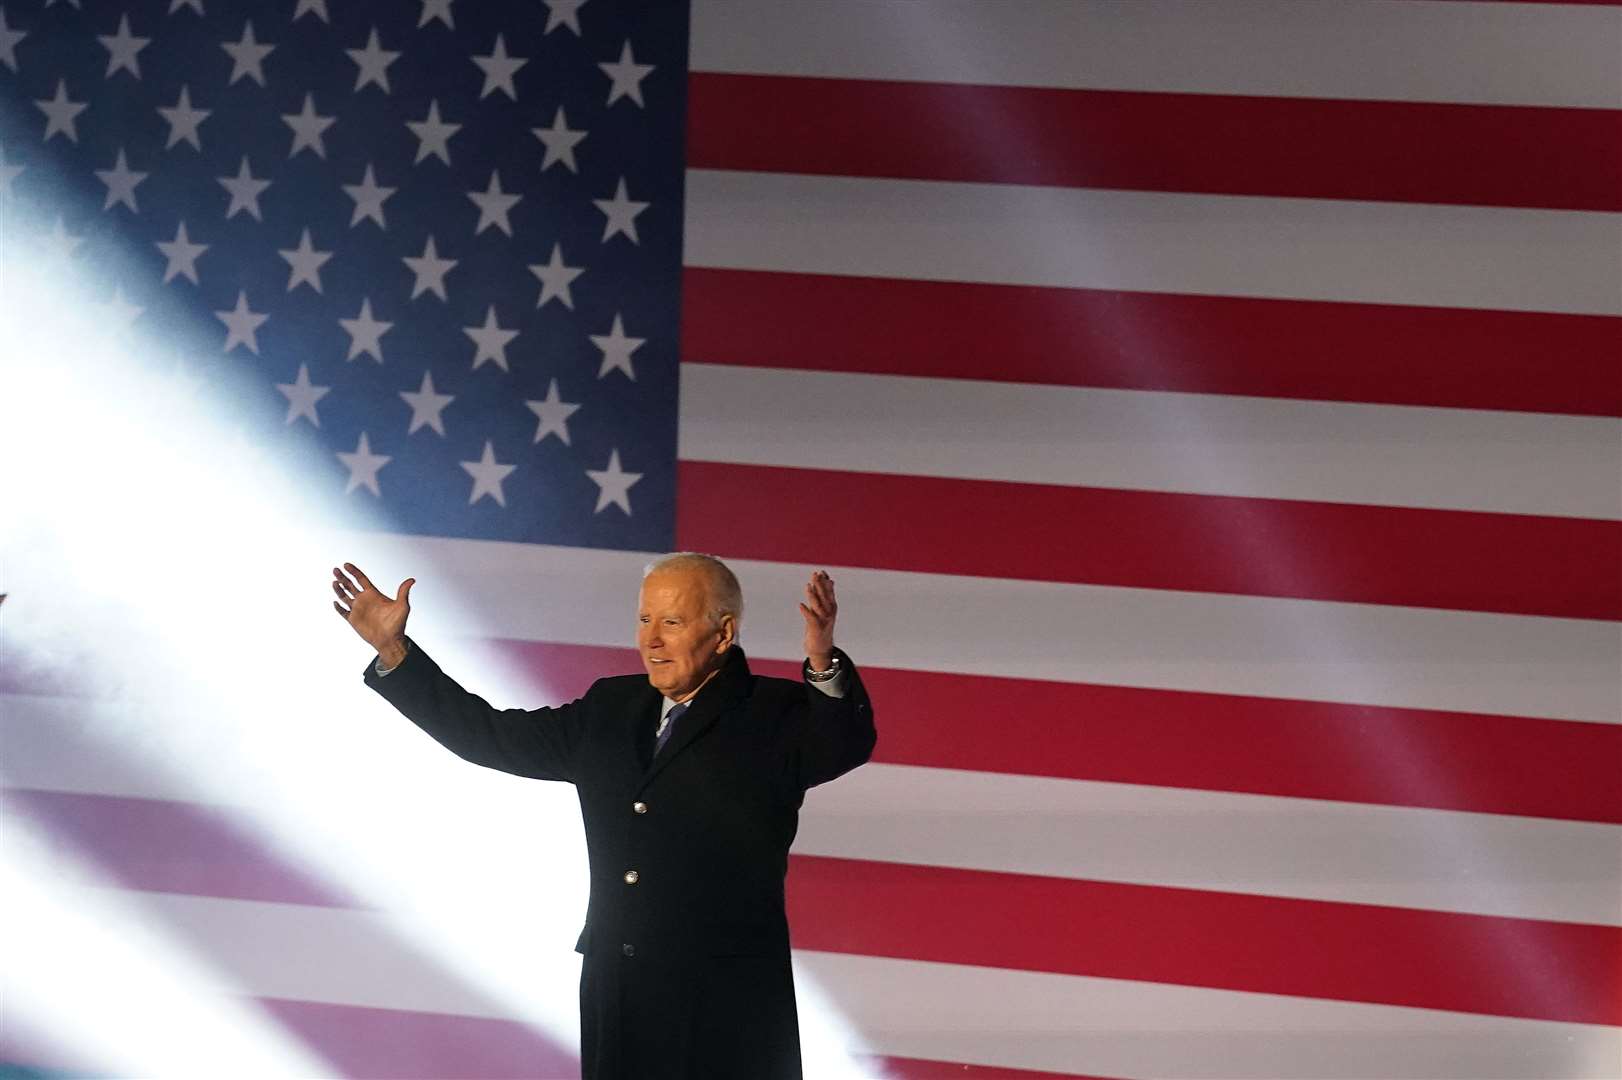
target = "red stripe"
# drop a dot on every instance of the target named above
(1523, 361)
(1511, 563)
(362, 1043)
(1346, 952)
(398, 1044)
(1402, 151)
(1359, 952)
(1212, 742)
(900, 1068)
(160, 845)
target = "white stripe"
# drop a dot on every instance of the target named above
(1309, 849)
(1208, 444)
(911, 1008)
(1486, 53)
(1315, 650)
(1227, 245)
(1116, 1027)
(337, 956)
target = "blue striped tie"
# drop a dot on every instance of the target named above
(670, 725)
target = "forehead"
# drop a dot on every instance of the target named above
(677, 589)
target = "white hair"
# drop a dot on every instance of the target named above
(724, 595)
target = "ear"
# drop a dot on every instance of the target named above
(729, 634)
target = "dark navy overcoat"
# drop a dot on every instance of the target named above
(686, 943)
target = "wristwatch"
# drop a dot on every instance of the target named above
(822, 676)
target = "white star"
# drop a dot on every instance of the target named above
(183, 120)
(119, 311)
(487, 473)
(195, 5)
(426, 405)
(241, 325)
(316, 7)
(369, 198)
(563, 13)
(554, 415)
(433, 134)
(430, 270)
(555, 278)
(307, 128)
(8, 42)
(617, 350)
(491, 339)
(560, 142)
(61, 242)
(499, 69)
(614, 484)
(365, 333)
(363, 465)
(374, 61)
(182, 255)
(621, 212)
(627, 76)
(436, 9)
(245, 192)
(306, 262)
(8, 173)
(301, 397)
(493, 204)
(121, 49)
(246, 56)
(60, 113)
(120, 181)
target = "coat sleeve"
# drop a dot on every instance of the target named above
(538, 743)
(837, 734)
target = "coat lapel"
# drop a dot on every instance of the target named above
(729, 684)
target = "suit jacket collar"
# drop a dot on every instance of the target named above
(727, 686)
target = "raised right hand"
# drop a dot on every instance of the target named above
(377, 619)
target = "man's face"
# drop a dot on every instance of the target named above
(679, 646)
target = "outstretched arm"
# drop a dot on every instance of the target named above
(538, 743)
(838, 734)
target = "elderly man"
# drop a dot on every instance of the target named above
(690, 782)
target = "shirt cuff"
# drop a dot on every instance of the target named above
(834, 687)
(381, 670)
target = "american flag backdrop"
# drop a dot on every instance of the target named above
(1208, 410)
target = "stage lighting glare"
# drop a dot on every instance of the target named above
(177, 572)
(79, 953)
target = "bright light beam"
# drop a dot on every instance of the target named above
(160, 557)
(78, 957)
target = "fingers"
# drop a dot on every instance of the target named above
(365, 582)
(812, 605)
(344, 590)
(343, 614)
(820, 592)
(819, 604)
(340, 579)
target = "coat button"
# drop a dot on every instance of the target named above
(628, 950)
(631, 877)
(639, 807)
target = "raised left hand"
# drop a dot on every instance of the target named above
(819, 609)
